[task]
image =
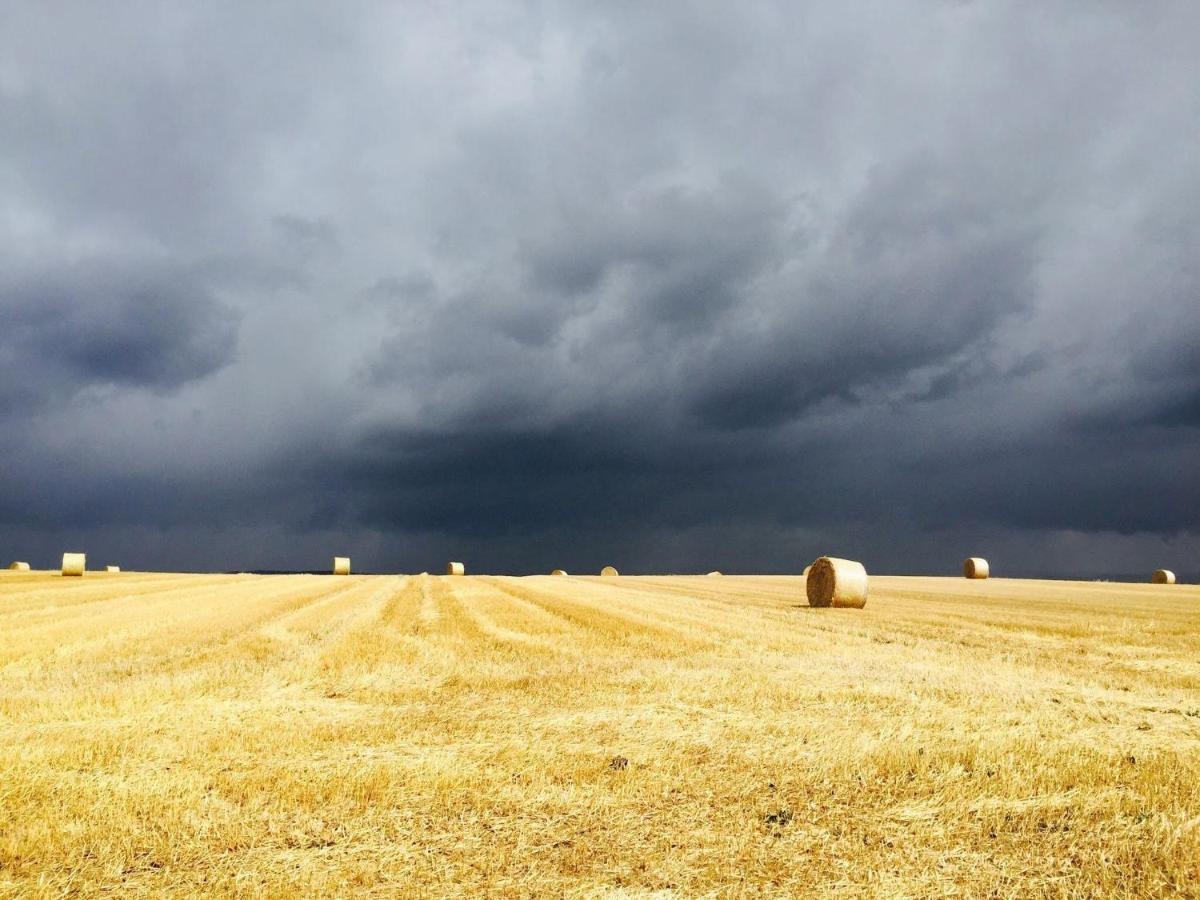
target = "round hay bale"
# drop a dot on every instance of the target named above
(1163, 576)
(341, 565)
(559, 572)
(74, 563)
(837, 582)
(713, 573)
(456, 568)
(19, 566)
(807, 569)
(609, 572)
(112, 568)
(975, 567)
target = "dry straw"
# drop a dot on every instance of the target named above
(609, 572)
(1163, 576)
(837, 582)
(456, 568)
(341, 565)
(112, 568)
(714, 573)
(19, 566)
(559, 572)
(975, 567)
(74, 563)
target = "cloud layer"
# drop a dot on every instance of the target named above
(670, 288)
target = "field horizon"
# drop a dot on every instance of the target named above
(1184, 576)
(266, 735)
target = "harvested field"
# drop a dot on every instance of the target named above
(267, 735)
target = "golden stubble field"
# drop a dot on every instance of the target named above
(675, 736)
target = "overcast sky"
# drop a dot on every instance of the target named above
(671, 286)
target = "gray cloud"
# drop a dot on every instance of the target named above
(650, 284)
(131, 324)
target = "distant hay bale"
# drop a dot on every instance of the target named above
(975, 567)
(341, 565)
(714, 572)
(74, 563)
(1163, 576)
(559, 572)
(456, 568)
(19, 566)
(837, 582)
(112, 568)
(609, 572)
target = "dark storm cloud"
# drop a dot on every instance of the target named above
(688, 254)
(889, 293)
(1182, 412)
(130, 324)
(654, 283)
(576, 476)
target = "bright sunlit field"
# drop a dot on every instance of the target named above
(676, 736)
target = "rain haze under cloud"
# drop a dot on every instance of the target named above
(670, 286)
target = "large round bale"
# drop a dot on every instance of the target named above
(837, 582)
(112, 568)
(713, 573)
(456, 568)
(975, 567)
(19, 566)
(341, 565)
(609, 572)
(74, 563)
(559, 572)
(1163, 576)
